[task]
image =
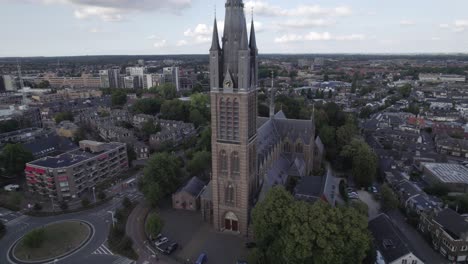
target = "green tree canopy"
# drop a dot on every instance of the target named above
(364, 162)
(167, 91)
(161, 176)
(9, 125)
(200, 163)
(35, 238)
(149, 106)
(290, 231)
(119, 98)
(389, 198)
(14, 158)
(405, 90)
(154, 224)
(175, 110)
(63, 116)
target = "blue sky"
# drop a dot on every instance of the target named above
(94, 27)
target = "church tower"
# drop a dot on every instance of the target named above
(233, 70)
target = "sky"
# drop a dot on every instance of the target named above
(147, 27)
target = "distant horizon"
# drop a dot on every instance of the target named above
(261, 54)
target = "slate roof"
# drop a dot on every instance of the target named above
(452, 223)
(194, 187)
(310, 186)
(388, 240)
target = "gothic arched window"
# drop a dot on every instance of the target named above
(235, 164)
(287, 147)
(223, 162)
(230, 194)
(299, 148)
(222, 119)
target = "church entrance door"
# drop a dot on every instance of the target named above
(231, 222)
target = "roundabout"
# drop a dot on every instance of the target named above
(50, 242)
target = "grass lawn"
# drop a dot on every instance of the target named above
(60, 238)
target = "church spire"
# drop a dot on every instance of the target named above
(253, 40)
(244, 41)
(215, 42)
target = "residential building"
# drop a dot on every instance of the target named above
(188, 196)
(131, 82)
(104, 78)
(85, 81)
(66, 129)
(448, 232)
(9, 83)
(171, 75)
(22, 135)
(70, 174)
(391, 244)
(49, 145)
(142, 151)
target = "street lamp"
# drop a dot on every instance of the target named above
(112, 214)
(94, 194)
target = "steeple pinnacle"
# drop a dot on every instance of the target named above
(215, 42)
(253, 40)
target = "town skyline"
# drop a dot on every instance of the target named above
(318, 27)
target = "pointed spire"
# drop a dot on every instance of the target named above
(215, 42)
(272, 95)
(253, 39)
(244, 41)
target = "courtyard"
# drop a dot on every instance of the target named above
(195, 237)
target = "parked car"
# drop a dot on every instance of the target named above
(202, 259)
(250, 245)
(161, 241)
(373, 189)
(171, 248)
(11, 187)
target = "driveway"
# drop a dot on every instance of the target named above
(374, 206)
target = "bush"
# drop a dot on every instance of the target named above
(389, 198)
(85, 202)
(101, 195)
(35, 238)
(63, 205)
(437, 190)
(37, 207)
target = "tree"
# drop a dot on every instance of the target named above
(200, 163)
(175, 110)
(119, 98)
(154, 224)
(289, 231)
(63, 116)
(197, 118)
(37, 207)
(167, 91)
(360, 207)
(366, 112)
(364, 162)
(14, 157)
(204, 141)
(268, 217)
(148, 106)
(35, 238)
(327, 135)
(148, 128)
(405, 90)
(161, 176)
(389, 198)
(345, 134)
(43, 84)
(9, 125)
(438, 190)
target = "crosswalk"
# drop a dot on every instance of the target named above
(103, 250)
(123, 260)
(16, 220)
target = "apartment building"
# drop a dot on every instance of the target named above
(70, 174)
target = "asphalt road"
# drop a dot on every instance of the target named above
(98, 217)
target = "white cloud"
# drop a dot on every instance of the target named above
(115, 10)
(407, 23)
(94, 30)
(182, 43)
(151, 37)
(457, 26)
(316, 36)
(435, 38)
(444, 25)
(199, 30)
(160, 43)
(265, 9)
(305, 23)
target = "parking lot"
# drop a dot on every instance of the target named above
(374, 206)
(195, 237)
